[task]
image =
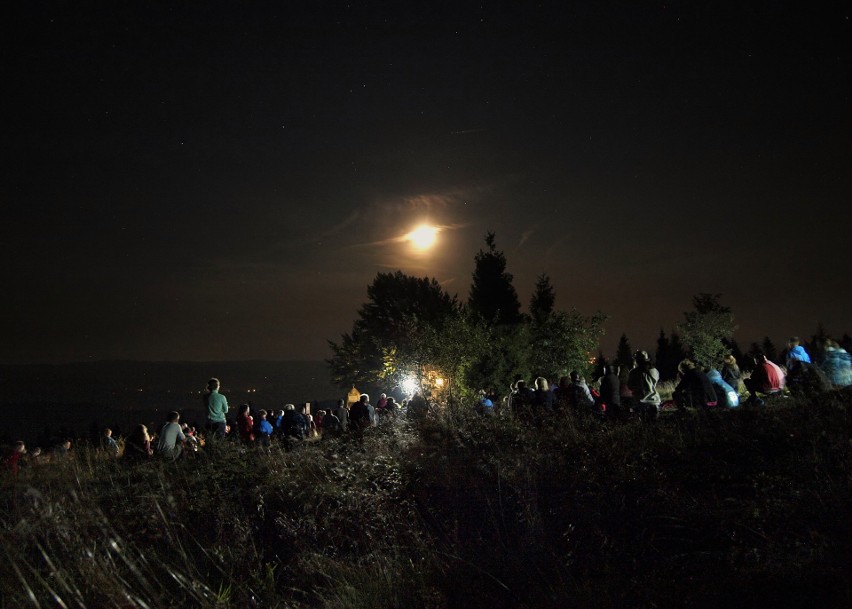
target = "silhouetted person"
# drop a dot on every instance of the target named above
(137, 446)
(611, 392)
(642, 382)
(806, 379)
(359, 415)
(694, 389)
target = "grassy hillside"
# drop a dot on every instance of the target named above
(710, 509)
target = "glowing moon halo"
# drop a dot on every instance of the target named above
(423, 237)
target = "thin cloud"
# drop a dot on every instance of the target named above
(337, 228)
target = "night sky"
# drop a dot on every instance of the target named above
(222, 180)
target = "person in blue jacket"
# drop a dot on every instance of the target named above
(725, 394)
(796, 352)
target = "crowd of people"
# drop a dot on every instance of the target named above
(614, 394)
(289, 426)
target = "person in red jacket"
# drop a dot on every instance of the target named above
(245, 424)
(13, 461)
(767, 378)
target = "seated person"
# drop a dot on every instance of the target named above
(695, 389)
(796, 352)
(767, 378)
(610, 391)
(108, 443)
(731, 372)
(725, 394)
(580, 395)
(170, 435)
(137, 446)
(837, 365)
(805, 379)
(642, 383)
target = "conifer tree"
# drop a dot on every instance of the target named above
(670, 353)
(624, 353)
(492, 294)
(543, 300)
(769, 349)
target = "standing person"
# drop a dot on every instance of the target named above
(642, 382)
(381, 406)
(245, 424)
(521, 398)
(310, 424)
(13, 460)
(264, 428)
(343, 415)
(542, 397)
(217, 408)
(359, 416)
(580, 398)
(170, 435)
(330, 424)
(278, 423)
(294, 423)
(392, 408)
(318, 421)
(373, 416)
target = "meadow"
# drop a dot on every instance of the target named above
(715, 509)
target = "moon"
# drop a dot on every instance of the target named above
(423, 237)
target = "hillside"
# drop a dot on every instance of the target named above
(727, 509)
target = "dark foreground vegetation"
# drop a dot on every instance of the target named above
(726, 509)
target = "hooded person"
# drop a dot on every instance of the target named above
(642, 382)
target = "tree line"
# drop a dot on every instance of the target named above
(410, 327)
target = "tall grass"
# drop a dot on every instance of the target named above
(726, 508)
